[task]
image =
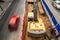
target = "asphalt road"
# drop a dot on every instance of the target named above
(5, 34)
(4, 6)
(55, 11)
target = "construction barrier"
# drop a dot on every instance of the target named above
(23, 25)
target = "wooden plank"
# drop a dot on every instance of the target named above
(30, 15)
(40, 8)
(30, 0)
(36, 26)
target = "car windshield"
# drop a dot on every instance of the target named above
(11, 25)
(57, 1)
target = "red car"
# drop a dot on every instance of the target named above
(14, 22)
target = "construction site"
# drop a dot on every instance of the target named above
(37, 24)
(29, 20)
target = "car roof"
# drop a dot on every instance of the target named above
(13, 19)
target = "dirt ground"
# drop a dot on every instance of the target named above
(47, 24)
